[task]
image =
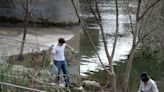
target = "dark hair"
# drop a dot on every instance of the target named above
(61, 40)
(144, 76)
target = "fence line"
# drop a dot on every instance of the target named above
(9, 38)
(21, 87)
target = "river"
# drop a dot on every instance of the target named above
(89, 58)
(90, 64)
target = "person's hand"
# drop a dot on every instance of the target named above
(73, 51)
(51, 62)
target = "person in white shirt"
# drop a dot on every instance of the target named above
(147, 84)
(59, 59)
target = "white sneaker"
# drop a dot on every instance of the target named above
(61, 85)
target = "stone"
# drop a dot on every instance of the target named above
(91, 86)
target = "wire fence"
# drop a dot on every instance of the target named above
(33, 73)
(5, 88)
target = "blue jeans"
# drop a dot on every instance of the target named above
(62, 65)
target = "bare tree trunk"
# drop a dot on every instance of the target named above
(24, 38)
(26, 20)
(110, 58)
(90, 39)
(113, 77)
(128, 69)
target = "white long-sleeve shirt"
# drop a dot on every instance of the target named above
(149, 87)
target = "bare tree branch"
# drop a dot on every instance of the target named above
(32, 8)
(24, 4)
(110, 58)
(131, 25)
(94, 14)
(141, 31)
(152, 5)
(84, 29)
(151, 31)
(116, 33)
(103, 36)
(138, 10)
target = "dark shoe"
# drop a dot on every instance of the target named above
(66, 85)
(69, 85)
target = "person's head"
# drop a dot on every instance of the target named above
(61, 41)
(144, 77)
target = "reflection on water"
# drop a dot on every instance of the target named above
(89, 58)
(87, 51)
(87, 47)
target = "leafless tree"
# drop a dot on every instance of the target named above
(109, 57)
(26, 8)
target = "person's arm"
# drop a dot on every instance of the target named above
(154, 88)
(70, 48)
(140, 87)
(52, 55)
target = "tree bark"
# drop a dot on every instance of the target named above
(127, 71)
(25, 28)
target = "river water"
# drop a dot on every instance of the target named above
(89, 59)
(90, 64)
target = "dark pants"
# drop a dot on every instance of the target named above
(62, 65)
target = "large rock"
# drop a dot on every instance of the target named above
(91, 86)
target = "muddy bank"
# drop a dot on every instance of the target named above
(37, 39)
